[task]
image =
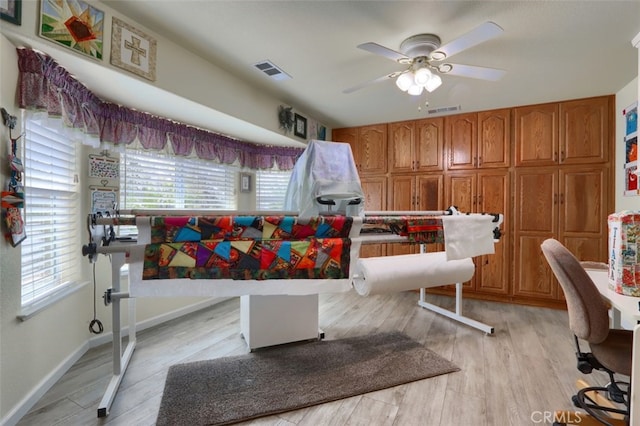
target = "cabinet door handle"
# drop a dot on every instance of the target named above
(479, 161)
(555, 198)
(479, 199)
(562, 156)
(474, 162)
(562, 198)
(555, 156)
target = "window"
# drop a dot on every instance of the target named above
(50, 254)
(271, 187)
(152, 180)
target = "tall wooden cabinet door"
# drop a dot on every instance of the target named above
(460, 191)
(375, 198)
(583, 205)
(536, 135)
(401, 141)
(430, 197)
(536, 200)
(461, 134)
(429, 145)
(584, 130)
(536, 219)
(402, 190)
(372, 149)
(494, 138)
(348, 135)
(492, 270)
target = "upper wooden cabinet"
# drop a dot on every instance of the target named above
(571, 132)
(584, 130)
(478, 140)
(416, 146)
(369, 146)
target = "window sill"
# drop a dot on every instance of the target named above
(32, 309)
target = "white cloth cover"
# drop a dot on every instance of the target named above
(327, 170)
(469, 235)
(389, 274)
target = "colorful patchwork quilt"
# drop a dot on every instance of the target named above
(248, 248)
(417, 229)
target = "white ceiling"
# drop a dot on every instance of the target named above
(551, 50)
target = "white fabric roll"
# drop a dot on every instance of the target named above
(388, 274)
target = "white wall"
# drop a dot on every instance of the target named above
(624, 98)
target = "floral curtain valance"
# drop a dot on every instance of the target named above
(45, 85)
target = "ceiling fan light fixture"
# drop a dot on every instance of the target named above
(422, 76)
(415, 90)
(404, 81)
(434, 82)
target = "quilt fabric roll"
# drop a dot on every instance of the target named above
(387, 274)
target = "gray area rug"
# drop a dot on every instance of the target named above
(283, 378)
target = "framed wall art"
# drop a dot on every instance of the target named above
(133, 50)
(300, 126)
(245, 182)
(11, 11)
(73, 24)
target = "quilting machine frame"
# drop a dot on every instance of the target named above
(118, 248)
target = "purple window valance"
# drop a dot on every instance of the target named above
(46, 86)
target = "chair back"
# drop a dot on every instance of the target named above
(588, 313)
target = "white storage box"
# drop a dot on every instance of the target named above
(624, 252)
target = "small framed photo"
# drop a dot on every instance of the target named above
(11, 11)
(300, 126)
(245, 182)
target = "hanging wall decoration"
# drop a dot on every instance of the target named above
(631, 186)
(73, 24)
(133, 50)
(13, 198)
(103, 167)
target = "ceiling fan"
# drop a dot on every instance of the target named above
(422, 54)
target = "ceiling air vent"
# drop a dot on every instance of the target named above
(443, 109)
(273, 71)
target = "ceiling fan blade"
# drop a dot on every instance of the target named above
(377, 49)
(480, 34)
(471, 71)
(370, 82)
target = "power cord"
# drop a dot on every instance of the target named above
(95, 326)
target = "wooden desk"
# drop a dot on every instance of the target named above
(628, 308)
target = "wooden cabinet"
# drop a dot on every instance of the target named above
(571, 132)
(415, 192)
(478, 140)
(485, 192)
(375, 198)
(416, 146)
(368, 145)
(566, 203)
(584, 130)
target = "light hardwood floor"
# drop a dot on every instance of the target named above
(513, 377)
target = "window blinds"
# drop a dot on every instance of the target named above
(50, 258)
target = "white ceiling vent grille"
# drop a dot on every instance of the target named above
(273, 71)
(443, 109)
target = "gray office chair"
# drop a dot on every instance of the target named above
(589, 320)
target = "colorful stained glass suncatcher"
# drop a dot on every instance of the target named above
(74, 24)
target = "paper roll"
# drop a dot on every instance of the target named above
(389, 274)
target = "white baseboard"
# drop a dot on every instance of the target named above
(29, 401)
